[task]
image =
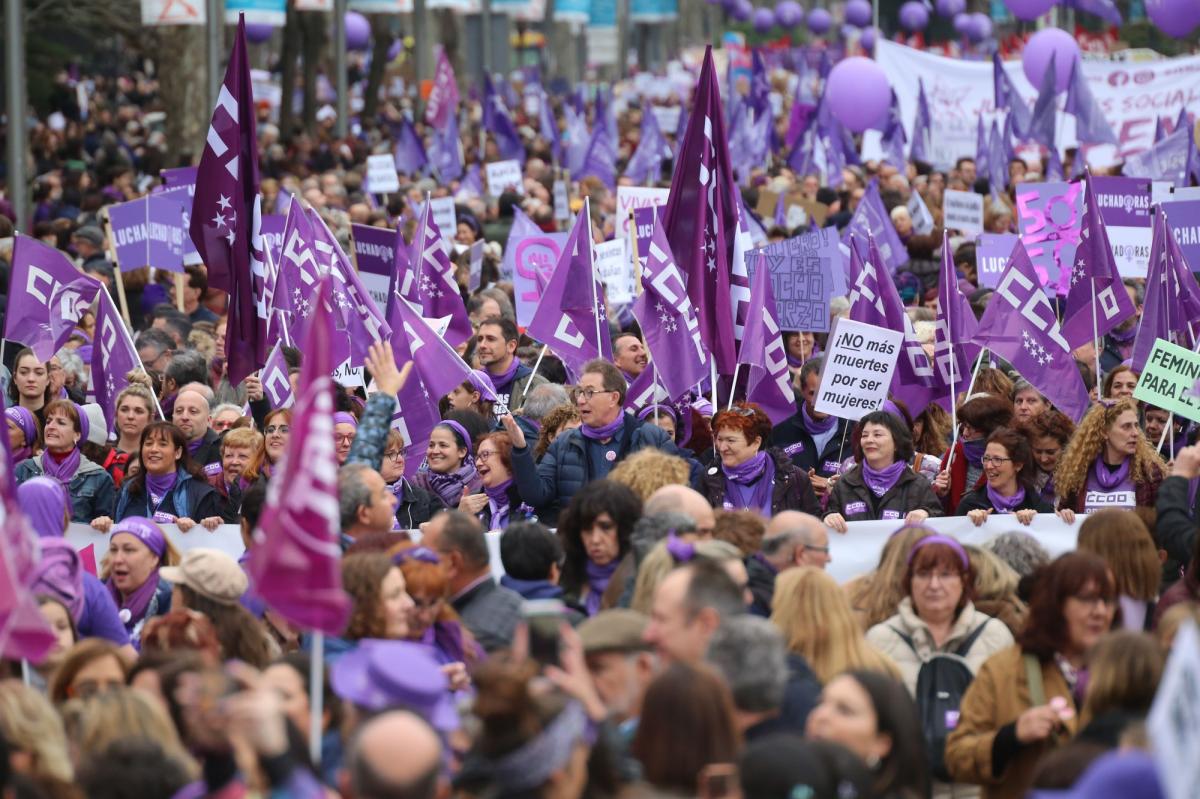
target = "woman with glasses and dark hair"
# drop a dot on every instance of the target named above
(882, 486)
(414, 505)
(1008, 466)
(452, 474)
(751, 475)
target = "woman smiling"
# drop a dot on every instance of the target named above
(1008, 467)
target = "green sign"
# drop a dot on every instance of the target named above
(1171, 380)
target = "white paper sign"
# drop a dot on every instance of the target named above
(667, 117)
(381, 174)
(227, 538)
(504, 176)
(562, 204)
(1174, 720)
(963, 211)
(444, 215)
(347, 375)
(1099, 500)
(858, 369)
(173, 12)
(630, 198)
(615, 271)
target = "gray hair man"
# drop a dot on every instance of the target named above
(791, 539)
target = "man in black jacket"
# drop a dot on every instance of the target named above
(816, 442)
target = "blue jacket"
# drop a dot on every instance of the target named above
(91, 488)
(190, 498)
(548, 486)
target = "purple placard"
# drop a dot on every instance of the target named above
(991, 257)
(374, 249)
(185, 194)
(534, 260)
(164, 232)
(1049, 217)
(1184, 218)
(806, 272)
(179, 176)
(272, 233)
(128, 223)
(1124, 202)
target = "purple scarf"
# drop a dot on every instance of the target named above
(61, 573)
(607, 431)
(44, 501)
(136, 603)
(1005, 504)
(1110, 480)
(194, 446)
(974, 450)
(62, 472)
(505, 378)
(158, 486)
(450, 486)
(498, 503)
(812, 426)
(598, 578)
(749, 485)
(881, 481)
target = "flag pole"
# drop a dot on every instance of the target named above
(26, 674)
(954, 430)
(316, 695)
(587, 210)
(536, 364)
(733, 389)
(112, 255)
(141, 366)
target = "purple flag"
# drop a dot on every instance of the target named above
(1019, 326)
(1172, 159)
(113, 358)
(164, 232)
(1096, 299)
(1105, 9)
(444, 151)
(665, 313)
(799, 121)
(645, 166)
(982, 163)
(1054, 167)
(600, 160)
(1160, 132)
(409, 152)
(578, 139)
(770, 385)
(178, 176)
(496, 120)
(435, 361)
(295, 562)
(894, 139)
(922, 126)
(1042, 123)
(1008, 98)
(39, 273)
(570, 315)
(436, 290)
(415, 416)
(1090, 125)
(1172, 296)
(226, 215)
(953, 351)
(759, 98)
(997, 162)
(472, 184)
(701, 218)
(277, 387)
(871, 220)
(298, 272)
(548, 127)
(442, 104)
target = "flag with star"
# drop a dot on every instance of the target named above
(701, 218)
(227, 217)
(1096, 300)
(298, 274)
(762, 349)
(436, 290)
(1019, 326)
(113, 358)
(665, 312)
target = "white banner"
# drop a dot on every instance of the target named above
(630, 198)
(227, 538)
(963, 211)
(173, 12)
(615, 270)
(1132, 96)
(381, 174)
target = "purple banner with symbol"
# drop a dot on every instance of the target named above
(374, 249)
(1049, 216)
(991, 256)
(1183, 216)
(533, 263)
(1123, 201)
(185, 193)
(272, 233)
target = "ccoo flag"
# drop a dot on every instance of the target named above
(113, 358)
(770, 385)
(953, 350)
(45, 290)
(436, 289)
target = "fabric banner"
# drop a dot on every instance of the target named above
(227, 538)
(1132, 96)
(1124, 205)
(1049, 216)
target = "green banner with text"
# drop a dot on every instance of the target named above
(1171, 380)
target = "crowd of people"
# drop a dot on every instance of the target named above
(571, 597)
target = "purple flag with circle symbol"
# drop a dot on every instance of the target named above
(871, 220)
(953, 351)
(295, 561)
(770, 384)
(665, 312)
(1090, 124)
(38, 273)
(1019, 326)
(1049, 217)
(1096, 298)
(277, 387)
(113, 358)
(436, 289)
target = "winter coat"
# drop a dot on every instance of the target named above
(856, 502)
(978, 500)
(1145, 495)
(792, 490)
(797, 443)
(523, 382)
(190, 498)
(415, 506)
(90, 490)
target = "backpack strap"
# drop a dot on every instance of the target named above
(906, 639)
(970, 640)
(1033, 675)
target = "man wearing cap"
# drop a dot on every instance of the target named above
(791, 539)
(191, 415)
(88, 243)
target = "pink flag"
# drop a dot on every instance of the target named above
(295, 560)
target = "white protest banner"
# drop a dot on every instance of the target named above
(173, 12)
(630, 198)
(562, 204)
(858, 369)
(963, 211)
(445, 216)
(504, 176)
(348, 376)
(381, 174)
(615, 270)
(667, 117)
(1174, 721)
(227, 538)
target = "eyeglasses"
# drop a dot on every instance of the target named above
(281, 429)
(586, 394)
(986, 459)
(485, 454)
(811, 548)
(343, 438)
(393, 455)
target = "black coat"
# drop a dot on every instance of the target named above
(416, 506)
(792, 490)
(856, 502)
(978, 500)
(796, 442)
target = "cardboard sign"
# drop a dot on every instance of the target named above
(858, 369)
(1049, 217)
(963, 211)
(615, 270)
(534, 260)
(562, 203)
(445, 216)
(1171, 380)
(991, 257)
(1174, 721)
(381, 174)
(1124, 205)
(806, 272)
(630, 198)
(504, 176)
(475, 273)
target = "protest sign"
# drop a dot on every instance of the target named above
(1124, 205)
(562, 205)
(182, 186)
(1183, 217)
(475, 267)
(667, 117)
(806, 272)
(991, 257)
(858, 369)
(1174, 720)
(922, 220)
(164, 232)
(504, 176)
(963, 211)
(534, 259)
(615, 270)
(373, 252)
(630, 198)
(1049, 216)
(127, 222)
(173, 12)
(444, 216)
(1171, 380)
(381, 174)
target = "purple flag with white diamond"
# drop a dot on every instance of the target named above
(922, 126)
(442, 104)
(496, 120)
(953, 351)
(436, 290)
(226, 215)
(1090, 124)
(645, 166)
(435, 361)
(770, 385)
(871, 220)
(1019, 326)
(409, 151)
(113, 358)
(1008, 98)
(277, 387)
(38, 272)
(444, 153)
(1042, 123)
(295, 561)
(665, 313)
(566, 315)
(1096, 299)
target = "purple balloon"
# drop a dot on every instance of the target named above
(819, 21)
(789, 14)
(258, 32)
(951, 8)
(858, 92)
(763, 19)
(741, 10)
(867, 39)
(980, 27)
(858, 13)
(1176, 18)
(358, 31)
(914, 16)
(961, 23)
(1028, 9)
(1037, 54)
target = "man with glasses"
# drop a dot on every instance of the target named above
(791, 539)
(607, 436)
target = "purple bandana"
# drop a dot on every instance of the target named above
(24, 419)
(460, 430)
(194, 446)
(598, 578)
(132, 609)
(881, 481)
(1110, 480)
(44, 501)
(940, 539)
(498, 503)
(504, 380)
(159, 485)
(748, 471)
(1004, 504)
(750, 484)
(64, 471)
(814, 427)
(974, 450)
(341, 417)
(601, 433)
(449, 486)
(144, 530)
(681, 551)
(423, 554)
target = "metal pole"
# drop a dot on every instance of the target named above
(485, 34)
(213, 28)
(14, 65)
(342, 123)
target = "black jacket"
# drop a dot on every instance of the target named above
(792, 491)
(1177, 519)
(978, 500)
(210, 449)
(416, 506)
(857, 503)
(762, 585)
(796, 442)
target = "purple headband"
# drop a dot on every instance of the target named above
(143, 530)
(483, 384)
(423, 554)
(341, 417)
(23, 418)
(648, 411)
(941, 539)
(460, 430)
(85, 424)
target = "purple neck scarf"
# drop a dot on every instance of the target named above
(64, 471)
(136, 603)
(1004, 504)
(748, 471)
(505, 378)
(498, 503)
(194, 446)
(607, 431)
(158, 486)
(881, 481)
(1107, 479)
(450, 486)
(974, 450)
(750, 484)
(61, 573)
(814, 427)
(598, 578)
(1123, 337)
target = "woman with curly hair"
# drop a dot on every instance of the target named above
(648, 470)
(559, 420)
(1109, 463)
(1049, 433)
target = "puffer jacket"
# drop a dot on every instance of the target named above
(190, 498)
(792, 490)
(548, 486)
(91, 488)
(856, 502)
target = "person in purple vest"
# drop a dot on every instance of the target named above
(1109, 463)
